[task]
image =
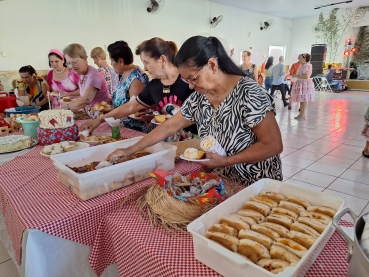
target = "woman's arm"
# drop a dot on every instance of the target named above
(44, 92)
(135, 88)
(86, 99)
(73, 93)
(256, 73)
(169, 127)
(269, 144)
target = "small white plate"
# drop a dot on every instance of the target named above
(79, 145)
(94, 142)
(183, 158)
(154, 122)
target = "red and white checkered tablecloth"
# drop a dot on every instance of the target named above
(139, 249)
(31, 197)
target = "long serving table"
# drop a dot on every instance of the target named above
(50, 232)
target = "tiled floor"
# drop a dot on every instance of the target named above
(321, 153)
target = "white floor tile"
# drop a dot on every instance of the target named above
(337, 161)
(356, 143)
(317, 149)
(312, 156)
(314, 178)
(288, 171)
(4, 256)
(344, 154)
(366, 210)
(303, 184)
(329, 169)
(357, 176)
(287, 151)
(361, 164)
(296, 162)
(350, 187)
(8, 269)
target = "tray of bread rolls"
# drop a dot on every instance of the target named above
(270, 228)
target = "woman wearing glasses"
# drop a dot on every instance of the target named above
(92, 85)
(165, 93)
(232, 108)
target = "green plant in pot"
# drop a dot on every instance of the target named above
(353, 74)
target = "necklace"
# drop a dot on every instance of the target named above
(166, 89)
(60, 71)
(214, 115)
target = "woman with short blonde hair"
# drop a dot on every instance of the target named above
(109, 74)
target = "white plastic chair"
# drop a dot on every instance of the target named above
(321, 84)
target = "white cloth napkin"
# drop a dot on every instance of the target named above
(103, 164)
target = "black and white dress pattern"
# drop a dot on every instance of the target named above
(231, 124)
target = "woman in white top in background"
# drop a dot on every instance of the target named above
(268, 74)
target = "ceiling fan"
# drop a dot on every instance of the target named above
(267, 25)
(215, 21)
(344, 2)
(155, 6)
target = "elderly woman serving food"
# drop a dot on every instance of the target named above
(231, 108)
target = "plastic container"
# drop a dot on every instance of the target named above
(231, 264)
(24, 110)
(29, 127)
(94, 183)
(7, 101)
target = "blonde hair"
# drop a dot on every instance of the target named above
(75, 50)
(98, 52)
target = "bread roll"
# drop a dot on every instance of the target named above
(280, 219)
(291, 206)
(292, 246)
(159, 118)
(223, 228)
(228, 241)
(194, 154)
(272, 195)
(255, 236)
(265, 231)
(321, 209)
(303, 228)
(286, 212)
(303, 239)
(265, 200)
(281, 230)
(258, 217)
(250, 221)
(273, 265)
(298, 201)
(252, 250)
(234, 222)
(257, 206)
(318, 216)
(278, 252)
(313, 223)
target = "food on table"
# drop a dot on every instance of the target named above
(101, 106)
(52, 119)
(66, 99)
(14, 143)
(95, 138)
(207, 143)
(159, 118)
(273, 265)
(273, 231)
(194, 154)
(228, 241)
(109, 141)
(30, 118)
(3, 123)
(92, 166)
(58, 148)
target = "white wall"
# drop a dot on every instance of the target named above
(302, 36)
(29, 28)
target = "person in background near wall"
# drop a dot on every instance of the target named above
(293, 71)
(268, 73)
(303, 89)
(92, 86)
(1, 87)
(334, 83)
(365, 133)
(60, 79)
(110, 76)
(278, 79)
(34, 86)
(249, 68)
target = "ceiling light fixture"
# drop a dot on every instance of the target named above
(344, 2)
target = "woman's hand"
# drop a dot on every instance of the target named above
(91, 125)
(119, 155)
(216, 161)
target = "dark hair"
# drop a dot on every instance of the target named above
(269, 62)
(120, 50)
(247, 52)
(29, 69)
(56, 55)
(197, 50)
(329, 66)
(157, 47)
(306, 56)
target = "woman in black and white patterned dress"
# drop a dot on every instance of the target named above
(232, 108)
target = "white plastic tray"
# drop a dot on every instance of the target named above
(232, 264)
(94, 183)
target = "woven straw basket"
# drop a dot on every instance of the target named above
(183, 145)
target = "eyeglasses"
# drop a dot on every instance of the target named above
(193, 81)
(73, 63)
